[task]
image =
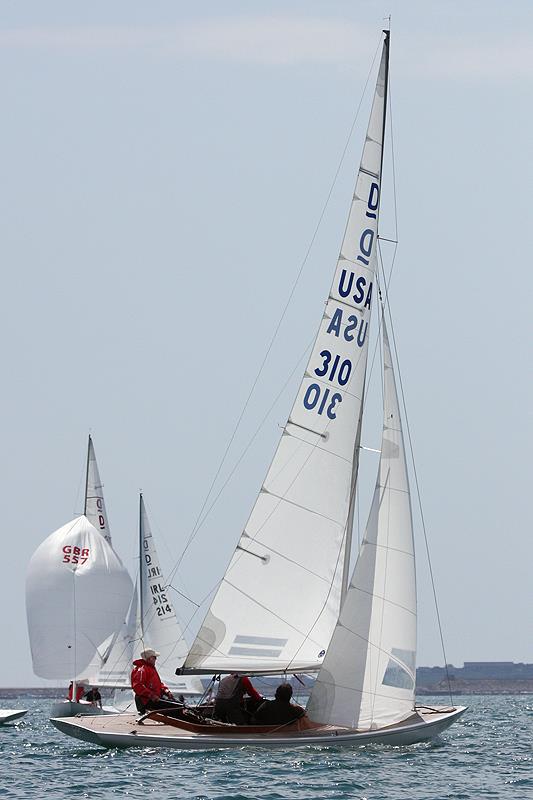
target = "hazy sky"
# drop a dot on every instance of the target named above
(163, 169)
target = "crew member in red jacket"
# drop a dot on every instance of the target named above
(149, 690)
(80, 690)
(229, 703)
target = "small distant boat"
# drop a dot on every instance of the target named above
(11, 714)
(286, 603)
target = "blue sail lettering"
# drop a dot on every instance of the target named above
(335, 323)
(373, 201)
(366, 241)
(362, 292)
(369, 296)
(344, 292)
(360, 285)
(349, 328)
(361, 334)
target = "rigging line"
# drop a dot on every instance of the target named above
(241, 457)
(75, 511)
(419, 499)
(189, 599)
(393, 164)
(284, 311)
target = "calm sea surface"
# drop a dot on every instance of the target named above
(487, 754)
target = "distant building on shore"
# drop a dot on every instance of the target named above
(476, 677)
(476, 670)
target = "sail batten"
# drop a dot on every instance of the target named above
(302, 512)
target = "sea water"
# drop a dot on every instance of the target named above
(488, 753)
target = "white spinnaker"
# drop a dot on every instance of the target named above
(158, 626)
(95, 509)
(367, 680)
(278, 602)
(77, 596)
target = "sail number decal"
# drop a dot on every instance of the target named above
(331, 364)
(314, 394)
(345, 325)
(101, 518)
(160, 600)
(75, 554)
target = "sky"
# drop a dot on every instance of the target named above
(164, 168)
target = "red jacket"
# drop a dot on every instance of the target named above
(146, 682)
(79, 692)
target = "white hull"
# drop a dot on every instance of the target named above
(123, 730)
(67, 708)
(10, 714)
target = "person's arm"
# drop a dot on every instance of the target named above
(297, 711)
(249, 689)
(165, 690)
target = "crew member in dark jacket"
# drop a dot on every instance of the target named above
(93, 696)
(279, 711)
(229, 704)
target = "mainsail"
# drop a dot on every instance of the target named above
(277, 605)
(77, 597)
(94, 508)
(367, 680)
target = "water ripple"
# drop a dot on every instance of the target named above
(487, 754)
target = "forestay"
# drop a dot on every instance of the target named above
(278, 602)
(95, 509)
(77, 597)
(367, 679)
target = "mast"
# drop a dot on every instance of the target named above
(141, 567)
(87, 475)
(357, 446)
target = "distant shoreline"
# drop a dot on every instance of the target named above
(475, 688)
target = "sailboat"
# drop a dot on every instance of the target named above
(11, 714)
(151, 619)
(286, 603)
(77, 597)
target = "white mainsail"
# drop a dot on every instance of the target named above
(157, 625)
(94, 508)
(77, 597)
(367, 680)
(278, 602)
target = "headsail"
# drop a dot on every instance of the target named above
(367, 679)
(95, 509)
(277, 605)
(77, 597)
(111, 665)
(158, 626)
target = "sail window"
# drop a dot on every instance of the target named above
(397, 674)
